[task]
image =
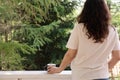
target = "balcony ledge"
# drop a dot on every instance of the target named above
(34, 75)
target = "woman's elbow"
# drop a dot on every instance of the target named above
(118, 58)
(116, 54)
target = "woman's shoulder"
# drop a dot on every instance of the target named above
(79, 25)
(112, 28)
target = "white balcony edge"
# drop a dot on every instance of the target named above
(34, 75)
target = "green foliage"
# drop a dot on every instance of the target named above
(35, 11)
(115, 10)
(35, 36)
(34, 26)
(25, 9)
(24, 19)
(116, 19)
(10, 57)
(49, 36)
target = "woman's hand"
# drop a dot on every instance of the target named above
(52, 70)
(68, 57)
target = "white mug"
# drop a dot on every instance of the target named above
(51, 64)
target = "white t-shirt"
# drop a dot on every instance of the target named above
(91, 58)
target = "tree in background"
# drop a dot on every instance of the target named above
(49, 36)
(33, 31)
(10, 58)
(116, 15)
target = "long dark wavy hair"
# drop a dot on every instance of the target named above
(96, 18)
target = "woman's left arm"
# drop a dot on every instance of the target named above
(68, 57)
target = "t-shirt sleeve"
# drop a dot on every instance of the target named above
(73, 39)
(117, 42)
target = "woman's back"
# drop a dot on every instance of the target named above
(91, 57)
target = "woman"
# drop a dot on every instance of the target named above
(91, 42)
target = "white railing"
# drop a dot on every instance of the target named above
(42, 75)
(34, 75)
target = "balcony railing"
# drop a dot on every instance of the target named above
(34, 75)
(42, 75)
